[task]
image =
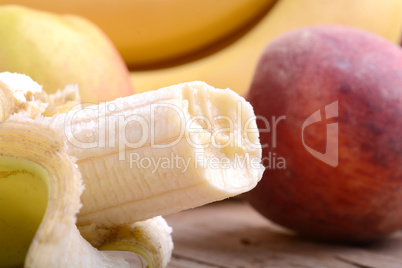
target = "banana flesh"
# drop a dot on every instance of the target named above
(178, 147)
(121, 204)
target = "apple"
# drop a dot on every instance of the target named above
(57, 50)
(329, 102)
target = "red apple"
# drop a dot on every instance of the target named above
(332, 100)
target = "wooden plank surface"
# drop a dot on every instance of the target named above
(230, 234)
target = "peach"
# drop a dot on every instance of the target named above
(331, 97)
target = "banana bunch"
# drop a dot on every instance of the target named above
(76, 183)
(151, 32)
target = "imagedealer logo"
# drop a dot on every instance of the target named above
(330, 156)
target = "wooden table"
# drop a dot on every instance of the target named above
(230, 234)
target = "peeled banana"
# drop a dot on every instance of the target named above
(166, 141)
(109, 148)
(233, 66)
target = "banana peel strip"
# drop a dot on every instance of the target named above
(151, 239)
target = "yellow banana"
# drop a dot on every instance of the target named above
(45, 162)
(233, 66)
(155, 31)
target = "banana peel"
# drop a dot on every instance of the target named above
(35, 147)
